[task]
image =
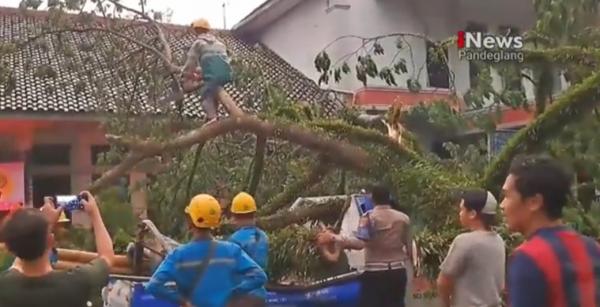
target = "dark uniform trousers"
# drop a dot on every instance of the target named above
(383, 288)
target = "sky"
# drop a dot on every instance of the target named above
(185, 11)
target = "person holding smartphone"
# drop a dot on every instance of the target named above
(32, 281)
(384, 234)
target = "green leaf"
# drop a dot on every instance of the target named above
(378, 49)
(345, 68)
(337, 75)
(361, 74)
(399, 43)
(387, 75)
(371, 67)
(400, 67)
(413, 85)
(324, 79)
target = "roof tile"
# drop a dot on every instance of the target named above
(68, 91)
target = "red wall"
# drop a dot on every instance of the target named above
(381, 97)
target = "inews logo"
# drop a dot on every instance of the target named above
(480, 46)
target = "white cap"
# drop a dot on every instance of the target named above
(490, 204)
(480, 199)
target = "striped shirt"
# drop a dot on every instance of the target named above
(555, 267)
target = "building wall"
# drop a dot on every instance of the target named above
(81, 136)
(304, 31)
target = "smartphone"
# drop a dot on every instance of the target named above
(70, 202)
(364, 203)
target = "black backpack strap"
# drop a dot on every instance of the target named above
(205, 262)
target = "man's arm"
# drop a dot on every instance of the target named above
(104, 244)
(450, 269)
(193, 56)
(407, 239)
(236, 239)
(164, 274)
(252, 277)
(445, 287)
(526, 283)
(50, 211)
(350, 242)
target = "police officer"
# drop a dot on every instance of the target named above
(207, 272)
(384, 234)
(248, 236)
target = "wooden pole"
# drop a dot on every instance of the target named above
(68, 259)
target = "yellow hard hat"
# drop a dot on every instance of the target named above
(243, 203)
(201, 24)
(63, 218)
(205, 211)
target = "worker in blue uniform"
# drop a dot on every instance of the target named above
(206, 272)
(248, 236)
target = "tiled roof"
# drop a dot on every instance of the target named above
(66, 93)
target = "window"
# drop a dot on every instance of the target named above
(54, 154)
(336, 5)
(50, 185)
(437, 68)
(475, 67)
(557, 81)
(97, 151)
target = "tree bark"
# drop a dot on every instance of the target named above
(193, 172)
(344, 154)
(285, 218)
(259, 161)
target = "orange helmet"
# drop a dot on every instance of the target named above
(201, 24)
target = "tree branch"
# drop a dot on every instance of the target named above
(259, 159)
(563, 55)
(172, 67)
(291, 191)
(193, 172)
(161, 35)
(574, 103)
(297, 216)
(370, 136)
(344, 154)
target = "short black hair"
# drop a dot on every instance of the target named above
(25, 234)
(542, 174)
(380, 194)
(475, 200)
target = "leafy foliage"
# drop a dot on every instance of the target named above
(422, 183)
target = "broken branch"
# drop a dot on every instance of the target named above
(296, 216)
(346, 155)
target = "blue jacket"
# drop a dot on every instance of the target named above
(230, 272)
(255, 243)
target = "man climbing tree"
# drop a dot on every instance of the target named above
(215, 69)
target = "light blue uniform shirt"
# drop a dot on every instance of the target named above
(230, 272)
(255, 243)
